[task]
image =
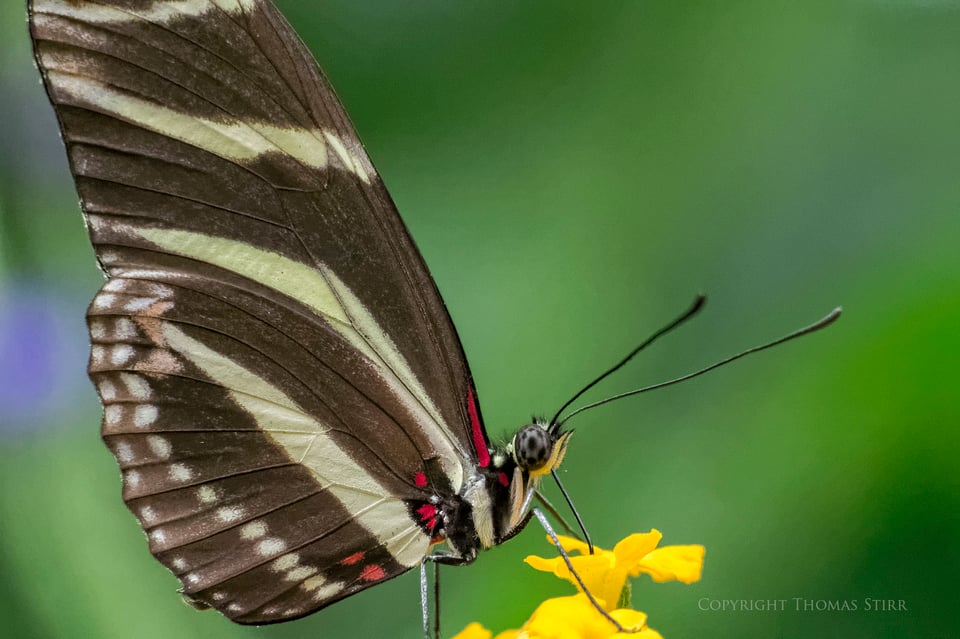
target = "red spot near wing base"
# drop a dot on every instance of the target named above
(352, 559)
(427, 511)
(372, 573)
(479, 441)
(503, 479)
(420, 479)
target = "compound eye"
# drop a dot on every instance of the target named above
(532, 446)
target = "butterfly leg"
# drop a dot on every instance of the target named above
(438, 557)
(425, 599)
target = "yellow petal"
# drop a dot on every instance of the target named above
(633, 548)
(572, 544)
(583, 564)
(571, 617)
(474, 631)
(629, 619)
(683, 563)
(635, 622)
(599, 572)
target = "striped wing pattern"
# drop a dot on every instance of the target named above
(268, 330)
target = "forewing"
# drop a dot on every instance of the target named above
(277, 368)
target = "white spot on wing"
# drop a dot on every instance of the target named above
(114, 285)
(137, 386)
(325, 592)
(112, 414)
(158, 536)
(124, 452)
(320, 588)
(144, 415)
(206, 495)
(148, 514)
(97, 354)
(179, 563)
(285, 562)
(138, 304)
(160, 446)
(107, 390)
(125, 329)
(271, 546)
(97, 330)
(103, 302)
(300, 573)
(109, 257)
(314, 583)
(180, 472)
(230, 513)
(120, 354)
(161, 291)
(254, 530)
(131, 478)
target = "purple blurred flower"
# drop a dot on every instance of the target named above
(43, 347)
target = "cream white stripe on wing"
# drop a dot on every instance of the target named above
(235, 140)
(273, 270)
(367, 327)
(162, 11)
(333, 301)
(385, 518)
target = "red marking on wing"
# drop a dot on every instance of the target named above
(479, 442)
(420, 479)
(352, 559)
(427, 511)
(503, 479)
(372, 573)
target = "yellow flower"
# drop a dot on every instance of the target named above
(572, 617)
(474, 631)
(605, 572)
(605, 575)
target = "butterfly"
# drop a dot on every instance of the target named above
(283, 388)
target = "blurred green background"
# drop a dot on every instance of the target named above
(574, 173)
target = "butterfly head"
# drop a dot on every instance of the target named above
(539, 447)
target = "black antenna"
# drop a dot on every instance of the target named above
(573, 509)
(698, 303)
(816, 326)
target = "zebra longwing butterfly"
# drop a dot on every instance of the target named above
(283, 389)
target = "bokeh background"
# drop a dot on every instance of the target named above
(574, 173)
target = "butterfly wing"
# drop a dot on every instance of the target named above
(280, 377)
